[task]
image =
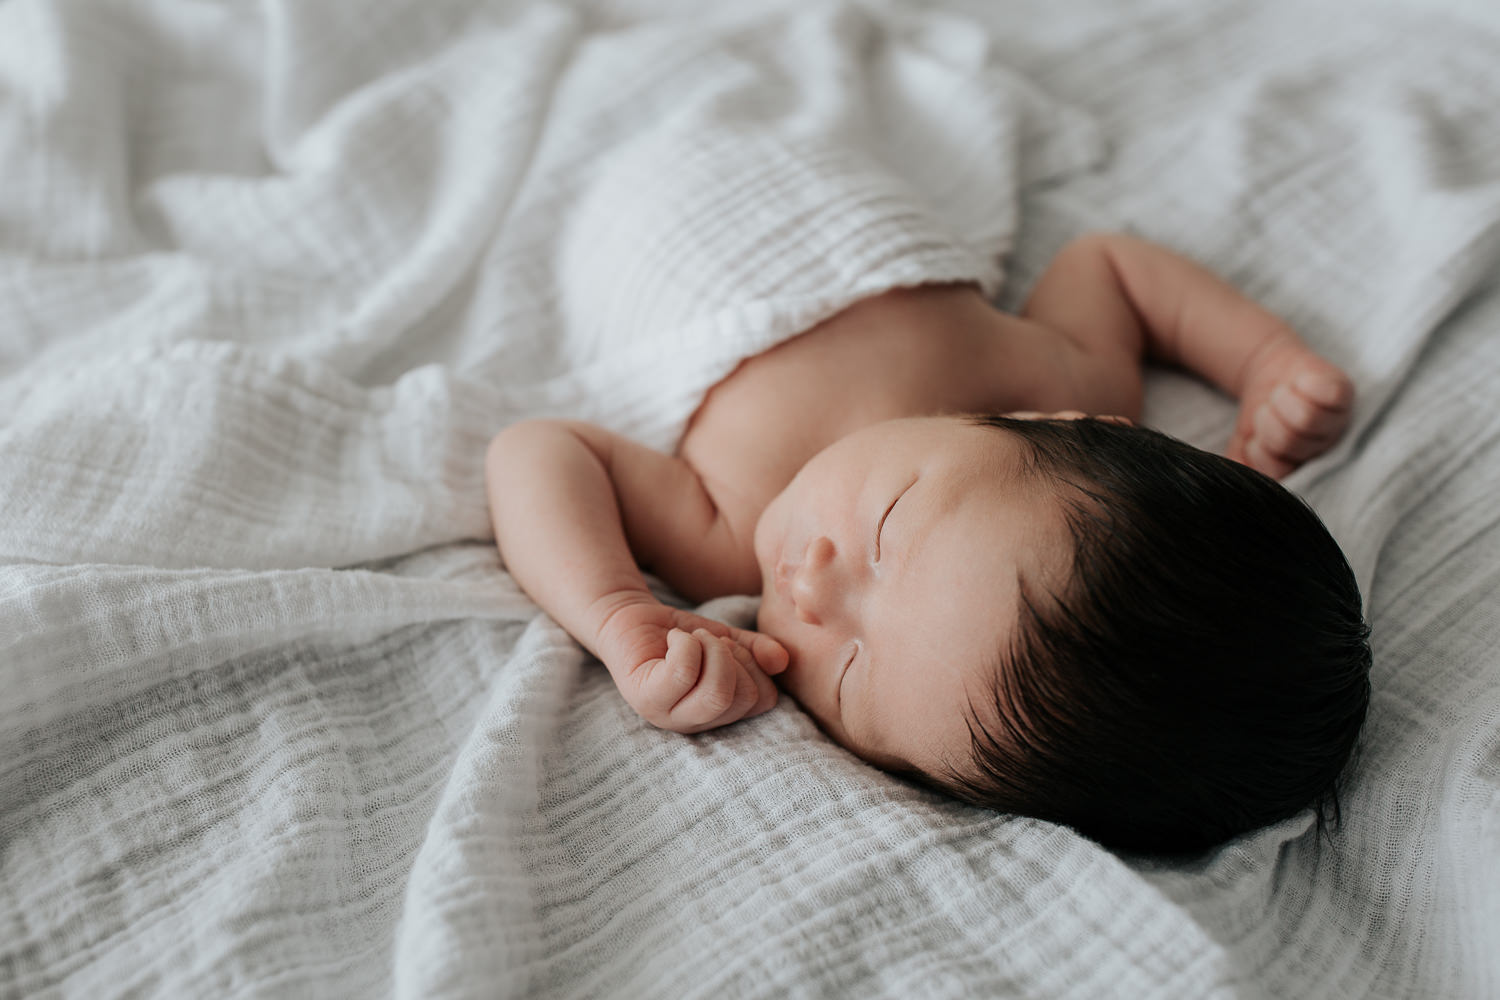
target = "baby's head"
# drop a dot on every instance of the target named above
(1077, 620)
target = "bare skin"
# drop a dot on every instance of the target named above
(830, 475)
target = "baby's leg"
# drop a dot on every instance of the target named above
(1294, 406)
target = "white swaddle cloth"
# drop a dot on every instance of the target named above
(292, 354)
(273, 719)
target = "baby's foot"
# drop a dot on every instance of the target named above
(1294, 407)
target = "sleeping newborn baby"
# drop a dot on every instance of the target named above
(966, 580)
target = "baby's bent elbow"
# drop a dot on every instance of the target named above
(521, 437)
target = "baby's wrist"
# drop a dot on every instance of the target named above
(609, 617)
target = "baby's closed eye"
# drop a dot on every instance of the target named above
(880, 526)
(843, 674)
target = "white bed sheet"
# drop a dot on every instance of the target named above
(275, 721)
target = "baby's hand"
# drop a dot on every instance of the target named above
(1295, 405)
(688, 673)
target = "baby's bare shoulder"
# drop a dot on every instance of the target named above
(903, 353)
(908, 352)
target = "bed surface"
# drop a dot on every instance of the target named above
(276, 722)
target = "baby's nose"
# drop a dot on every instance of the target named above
(816, 587)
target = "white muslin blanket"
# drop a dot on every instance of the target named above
(275, 722)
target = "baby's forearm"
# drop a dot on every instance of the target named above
(576, 510)
(1119, 299)
(558, 527)
(1195, 320)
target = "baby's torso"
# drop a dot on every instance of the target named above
(913, 352)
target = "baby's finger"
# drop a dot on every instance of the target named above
(1235, 450)
(746, 692)
(1277, 438)
(766, 694)
(1257, 457)
(1307, 414)
(770, 655)
(712, 700)
(671, 679)
(1312, 419)
(1332, 390)
(1294, 408)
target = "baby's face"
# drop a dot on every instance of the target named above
(890, 570)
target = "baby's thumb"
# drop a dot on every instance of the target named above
(770, 655)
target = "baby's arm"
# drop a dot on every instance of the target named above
(574, 507)
(1109, 292)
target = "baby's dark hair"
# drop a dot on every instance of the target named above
(1205, 670)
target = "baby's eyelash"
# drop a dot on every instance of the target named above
(838, 694)
(880, 527)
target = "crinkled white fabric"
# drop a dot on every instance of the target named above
(276, 722)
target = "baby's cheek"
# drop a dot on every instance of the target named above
(801, 680)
